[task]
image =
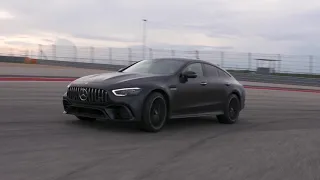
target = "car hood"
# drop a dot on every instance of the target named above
(112, 78)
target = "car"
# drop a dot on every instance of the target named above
(149, 92)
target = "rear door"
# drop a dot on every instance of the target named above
(227, 80)
(216, 88)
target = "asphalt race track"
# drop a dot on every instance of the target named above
(277, 138)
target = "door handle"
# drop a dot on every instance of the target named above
(227, 84)
(203, 83)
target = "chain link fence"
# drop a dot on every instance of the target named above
(249, 62)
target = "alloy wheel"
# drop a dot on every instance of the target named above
(158, 112)
(233, 109)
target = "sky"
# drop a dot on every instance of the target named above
(264, 26)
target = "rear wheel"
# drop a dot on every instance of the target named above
(154, 113)
(86, 118)
(231, 110)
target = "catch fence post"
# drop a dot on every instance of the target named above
(39, 51)
(222, 58)
(279, 63)
(197, 54)
(249, 61)
(150, 53)
(311, 64)
(129, 56)
(110, 55)
(92, 54)
(172, 53)
(75, 53)
(54, 52)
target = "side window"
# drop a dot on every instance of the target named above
(195, 67)
(223, 74)
(211, 71)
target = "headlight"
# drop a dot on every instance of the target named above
(126, 91)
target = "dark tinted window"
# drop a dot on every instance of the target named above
(158, 66)
(195, 67)
(223, 74)
(211, 71)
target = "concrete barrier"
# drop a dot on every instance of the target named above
(268, 78)
(12, 59)
(81, 65)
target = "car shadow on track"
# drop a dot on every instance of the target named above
(171, 125)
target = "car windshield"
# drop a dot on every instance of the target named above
(158, 66)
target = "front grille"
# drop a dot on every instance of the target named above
(85, 94)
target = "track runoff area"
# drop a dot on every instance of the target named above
(276, 137)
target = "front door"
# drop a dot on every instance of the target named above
(189, 97)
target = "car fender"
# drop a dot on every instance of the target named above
(159, 88)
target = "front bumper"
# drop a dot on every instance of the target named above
(121, 109)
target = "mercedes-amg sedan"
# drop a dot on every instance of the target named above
(150, 92)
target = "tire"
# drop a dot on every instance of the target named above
(86, 118)
(231, 111)
(154, 113)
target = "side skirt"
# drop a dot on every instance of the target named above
(196, 115)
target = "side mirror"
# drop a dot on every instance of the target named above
(189, 74)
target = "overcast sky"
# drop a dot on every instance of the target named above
(266, 26)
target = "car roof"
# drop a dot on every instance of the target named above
(183, 59)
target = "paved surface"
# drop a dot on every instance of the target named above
(277, 138)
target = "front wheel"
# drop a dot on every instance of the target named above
(231, 111)
(154, 113)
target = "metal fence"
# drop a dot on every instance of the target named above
(298, 64)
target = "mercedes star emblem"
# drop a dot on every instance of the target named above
(83, 94)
